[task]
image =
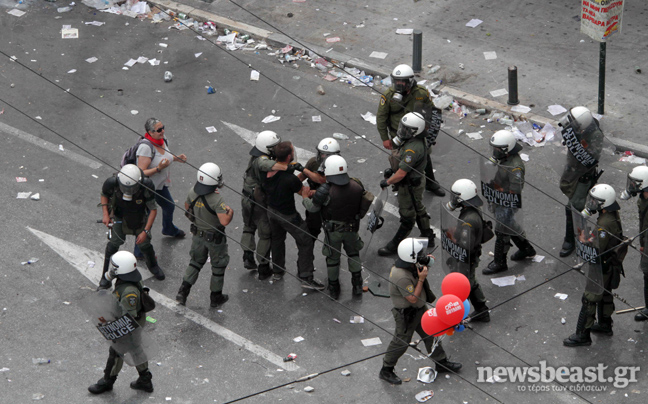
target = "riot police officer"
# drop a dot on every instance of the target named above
(402, 97)
(637, 184)
(411, 182)
(253, 202)
(339, 202)
(505, 199)
(584, 140)
(596, 248)
(210, 215)
(313, 173)
(469, 235)
(409, 292)
(128, 205)
(128, 288)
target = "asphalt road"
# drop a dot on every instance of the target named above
(212, 356)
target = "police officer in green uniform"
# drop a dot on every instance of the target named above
(609, 234)
(339, 201)
(313, 173)
(128, 205)
(584, 140)
(210, 216)
(411, 182)
(128, 288)
(253, 203)
(409, 292)
(510, 178)
(402, 97)
(464, 195)
(637, 184)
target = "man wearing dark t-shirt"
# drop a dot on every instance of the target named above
(280, 188)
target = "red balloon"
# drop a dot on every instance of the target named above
(432, 325)
(456, 284)
(450, 309)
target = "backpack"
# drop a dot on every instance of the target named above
(130, 155)
(366, 201)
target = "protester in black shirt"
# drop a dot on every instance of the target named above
(280, 188)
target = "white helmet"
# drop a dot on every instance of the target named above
(335, 170)
(123, 265)
(637, 182)
(209, 178)
(503, 142)
(463, 190)
(266, 141)
(129, 178)
(578, 117)
(601, 196)
(410, 249)
(327, 147)
(402, 78)
(412, 124)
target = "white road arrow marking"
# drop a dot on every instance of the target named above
(303, 154)
(78, 257)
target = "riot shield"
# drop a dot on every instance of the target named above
(588, 252)
(583, 152)
(375, 220)
(118, 328)
(502, 190)
(455, 243)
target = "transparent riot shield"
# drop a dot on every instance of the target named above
(588, 252)
(583, 152)
(375, 220)
(501, 187)
(456, 242)
(118, 328)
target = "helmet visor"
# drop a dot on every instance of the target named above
(634, 186)
(400, 85)
(593, 204)
(499, 152)
(405, 132)
(129, 190)
(455, 199)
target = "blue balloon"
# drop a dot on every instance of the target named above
(466, 305)
(460, 328)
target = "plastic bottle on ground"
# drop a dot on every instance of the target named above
(40, 361)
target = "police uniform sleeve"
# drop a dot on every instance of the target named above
(264, 163)
(130, 301)
(108, 187)
(382, 116)
(516, 177)
(312, 164)
(218, 205)
(408, 159)
(405, 286)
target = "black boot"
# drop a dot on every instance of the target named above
(356, 281)
(582, 335)
(157, 272)
(604, 324)
(388, 375)
(103, 385)
(103, 282)
(248, 260)
(334, 289)
(643, 314)
(264, 271)
(429, 233)
(444, 366)
(526, 250)
(569, 242)
(217, 299)
(499, 262)
(183, 292)
(392, 247)
(143, 382)
(480, 314)
(431, 184)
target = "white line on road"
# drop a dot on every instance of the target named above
(78, 257)
(48, 146)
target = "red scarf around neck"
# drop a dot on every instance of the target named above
(157, 142)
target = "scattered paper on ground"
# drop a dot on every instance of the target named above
(211, 129)
(499, 93)
(21, 179)
(142, 59)
(633, 159)
(298, 339)
(356, 320)
(23, 195)
(490, 55)
(254, 75)
(474, 135)
(524, 157)
(561, 296)
(371, 341)
(504, 281)
(556, 109)
(404, 31)
(95, 23)
(369, 117)
(131, 62)
(523, 109)
(538, 258)
(473, 23)
(271, 118)
(16, 12)
(91, 60)
(69, 33)
(197, 54)
(317, 118)
(378, 55)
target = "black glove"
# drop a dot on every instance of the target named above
(384, 184)
(388, 173)
(297, 167)
(290, 169)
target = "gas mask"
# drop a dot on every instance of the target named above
(633, 187)
(454, 202)
(401, 87)
(592, 205)
(129, 190)
(403, 134)
(499, 154)
(111, 274)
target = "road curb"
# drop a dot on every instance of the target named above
(280, 40)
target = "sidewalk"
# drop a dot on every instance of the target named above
(572, 79)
